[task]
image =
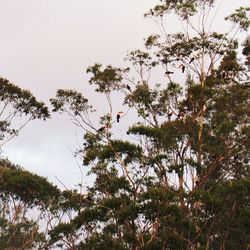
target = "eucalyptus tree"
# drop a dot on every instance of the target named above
(26, 202)
(19, 189)
(17, 108)
(179, 178)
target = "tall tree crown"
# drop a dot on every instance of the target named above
(171, 182)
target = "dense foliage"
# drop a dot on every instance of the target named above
(180, 178)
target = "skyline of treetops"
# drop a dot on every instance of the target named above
(168, 161)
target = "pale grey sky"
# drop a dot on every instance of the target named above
(48, 44)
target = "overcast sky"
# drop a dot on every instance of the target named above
(48, 44)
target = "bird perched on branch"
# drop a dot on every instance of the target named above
(128, 87)
(169, 72)
(182, 66)
(101, 129)
(191, 60)
(118, 116)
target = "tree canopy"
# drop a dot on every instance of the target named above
(180, 179)
(15, 103)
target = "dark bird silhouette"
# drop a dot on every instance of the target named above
(118, 116)
(128, 87)
(196, 183)
(191, 60)
(183, 69)
(101, 129)
(223, 75)
(169, 72)
(182, 66)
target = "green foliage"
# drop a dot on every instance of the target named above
(70, 99)
(107, 79)
(30, 188)
(184, 9)
(22, 235)
(229, 64)
(241, 17)
(246, 51)
(16, 102)
(142, 60)
(23, 193)
(22, 100)
(20, 191)
(179, 177)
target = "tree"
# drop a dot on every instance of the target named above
(246, 50)
(180, 179)
(16, 103)
(23, 194)
(20, 191)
